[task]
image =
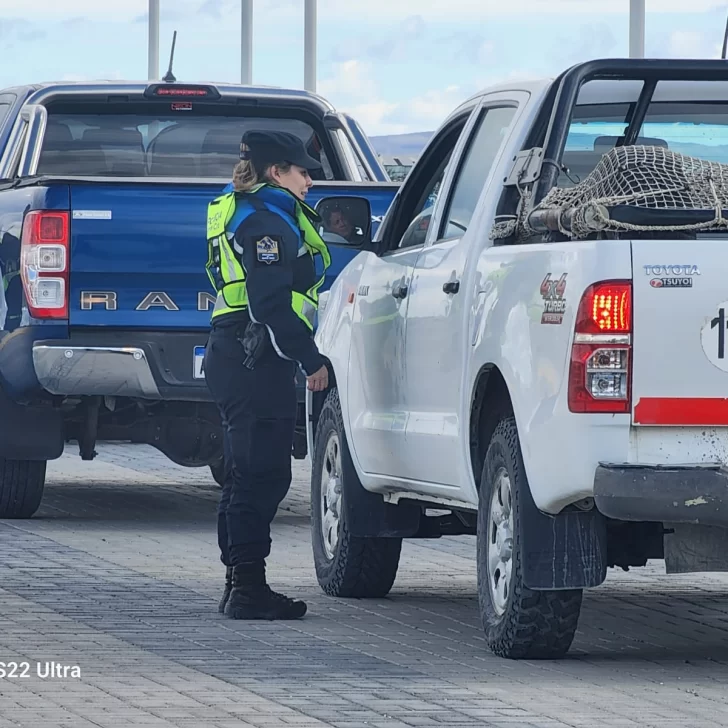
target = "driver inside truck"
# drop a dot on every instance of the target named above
(337, 221)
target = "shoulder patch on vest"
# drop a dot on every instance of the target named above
(266, 249)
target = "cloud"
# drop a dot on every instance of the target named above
(96, 10)
(81, 78)
(54, 10)
(591, 40)
(428, 110)
(14, 30)
(467, 46)
(337, 10)
(414, 38)
(401, 42)
(692, 44)
(453, 10)
(214, 8)
(73, 22)
(352, 81)
(424, 112)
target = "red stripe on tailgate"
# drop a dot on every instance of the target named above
(681, 411)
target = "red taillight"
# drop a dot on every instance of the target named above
(606, 308)
(44, 256)
(601, 356)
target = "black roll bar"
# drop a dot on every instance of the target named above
(648, 70)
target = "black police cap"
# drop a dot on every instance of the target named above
(269, 147)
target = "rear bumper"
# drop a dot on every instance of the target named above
(695, 494)
(147, 365)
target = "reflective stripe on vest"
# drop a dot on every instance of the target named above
(224, 217)
(230, 279)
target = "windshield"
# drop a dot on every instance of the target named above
(697, 129)
(176, 144)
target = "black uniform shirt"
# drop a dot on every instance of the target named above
(273, 269)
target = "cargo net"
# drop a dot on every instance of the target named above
(643, 177)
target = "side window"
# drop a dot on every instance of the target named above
(4, 111)
(6, 103)
(352, 159)
(474, 170)
(408, 226)
(416, 232)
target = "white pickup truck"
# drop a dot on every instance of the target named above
(533, 349)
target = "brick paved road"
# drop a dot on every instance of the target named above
(119, 575)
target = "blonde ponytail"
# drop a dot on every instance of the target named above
(244, 175)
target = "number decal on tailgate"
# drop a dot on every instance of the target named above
(713, 337)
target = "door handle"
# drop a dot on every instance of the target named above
(399, 291)
(451, 287)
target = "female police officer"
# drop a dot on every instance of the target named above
(262, 251)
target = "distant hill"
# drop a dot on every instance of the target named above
(406, 145)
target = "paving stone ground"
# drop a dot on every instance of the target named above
(119, 575)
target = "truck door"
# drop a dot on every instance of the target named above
(440, 299)
(376, 380)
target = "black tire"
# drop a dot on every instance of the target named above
(360, 567)
(218, 472)
(529, 624)
(21, 487)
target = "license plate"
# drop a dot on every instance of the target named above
(198, 368)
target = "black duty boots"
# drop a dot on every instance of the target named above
(252, 598)
(228, 589)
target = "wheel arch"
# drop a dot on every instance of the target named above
(490, 402)
(314, 405)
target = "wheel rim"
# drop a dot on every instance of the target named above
(500, 541)
(331, 496)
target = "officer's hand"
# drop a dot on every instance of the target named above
(319, 380)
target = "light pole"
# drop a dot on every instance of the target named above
(309, 46)
(636, 28)
(153, 52)
(246, 42)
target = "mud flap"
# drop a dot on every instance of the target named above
(368, 516)
(567, 551)
(29, 432)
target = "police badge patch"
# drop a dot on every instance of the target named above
(267, 250)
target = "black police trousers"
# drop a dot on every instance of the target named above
(258, 411)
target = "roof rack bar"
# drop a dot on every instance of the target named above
(623, 69)
(639, 114)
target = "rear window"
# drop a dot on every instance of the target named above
(178, 144)
(695, 128)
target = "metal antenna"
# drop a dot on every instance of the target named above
(725, 41)
(169, 77)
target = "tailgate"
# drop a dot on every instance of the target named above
(138, 254)
(680, 348)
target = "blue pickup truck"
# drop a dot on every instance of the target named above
(105, 304)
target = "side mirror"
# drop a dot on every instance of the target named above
(345, 221)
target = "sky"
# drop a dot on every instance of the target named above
(398, 66)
